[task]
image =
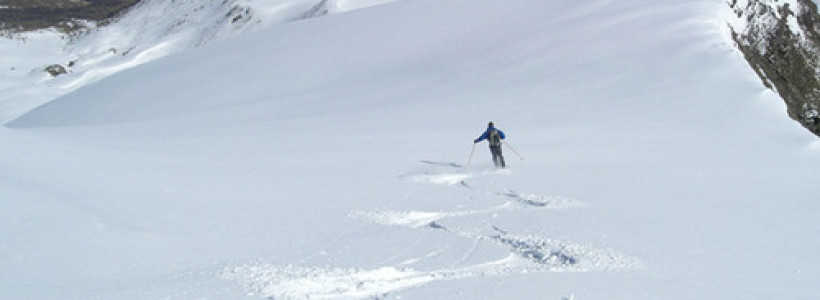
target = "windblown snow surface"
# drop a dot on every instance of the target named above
(328, 159)
(150, 30)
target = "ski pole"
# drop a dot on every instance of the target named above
(513, 150)
(471, 155)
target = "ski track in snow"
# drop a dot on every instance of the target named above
(444, 179)
(531, 255)
(454, 174)
(527, 254)
(292, 282)
(533, 200)
(548, 254)
(416, 219)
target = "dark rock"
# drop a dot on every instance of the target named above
(27, 15)
(785, 57)
(56, 70)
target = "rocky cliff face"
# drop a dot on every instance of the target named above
(68, 15)
(781, 41)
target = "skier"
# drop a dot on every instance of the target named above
(494, 136)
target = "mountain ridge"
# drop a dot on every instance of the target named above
(19, 16)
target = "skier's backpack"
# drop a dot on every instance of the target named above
(494, 138)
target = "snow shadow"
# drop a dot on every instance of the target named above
(533, 200)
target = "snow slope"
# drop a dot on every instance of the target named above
(150, 30)
(326, 159)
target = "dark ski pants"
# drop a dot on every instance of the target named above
(498, 159)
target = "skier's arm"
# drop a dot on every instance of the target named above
(481, 138)
(501, 133)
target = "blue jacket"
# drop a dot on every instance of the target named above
(486, 134)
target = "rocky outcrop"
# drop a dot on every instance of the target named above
(56, 70)
(67, 15)
(781, 41)
(318, 10)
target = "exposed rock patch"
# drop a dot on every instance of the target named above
(781, 41)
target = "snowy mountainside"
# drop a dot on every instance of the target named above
(150, 30)
(329, 159)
